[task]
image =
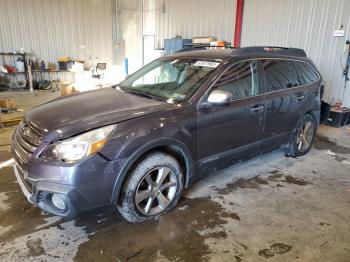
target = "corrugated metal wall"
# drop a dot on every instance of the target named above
(51, 28)
(195, 18)
(307, 24)
(168, 18)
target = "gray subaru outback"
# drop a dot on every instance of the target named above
(136, 146)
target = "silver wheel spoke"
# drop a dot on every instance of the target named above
(305, 141)
(149, 179)
(149, 205)
(162, 174)
(167, 185)
(304, 138)
(300, 144)
(307, 128)
(163, 201)
(142, 195)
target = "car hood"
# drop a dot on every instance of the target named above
(67, 116)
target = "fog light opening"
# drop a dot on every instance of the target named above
(59, 201)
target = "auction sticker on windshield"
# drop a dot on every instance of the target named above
(207, 64)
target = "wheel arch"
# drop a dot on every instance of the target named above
(170, 146)
(315, 114)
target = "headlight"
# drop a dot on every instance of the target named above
(78, 147)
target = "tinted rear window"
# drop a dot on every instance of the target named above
(279, 74)
(306, 73)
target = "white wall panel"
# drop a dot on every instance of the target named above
(195, 18)
(53, 28)
(307, 24)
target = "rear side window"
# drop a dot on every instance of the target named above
(279, 74)
(241, 80)
(306, 73)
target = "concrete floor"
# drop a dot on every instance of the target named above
(271, 208)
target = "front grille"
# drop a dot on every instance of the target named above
(25, 141)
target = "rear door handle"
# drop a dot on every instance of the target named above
(257, 108)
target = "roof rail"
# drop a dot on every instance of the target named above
(203, 46)
(270, 50)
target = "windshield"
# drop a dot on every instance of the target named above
(169, 79)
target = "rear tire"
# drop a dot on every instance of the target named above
(303, 137)
(151, 189)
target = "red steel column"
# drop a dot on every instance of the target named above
(238, 25)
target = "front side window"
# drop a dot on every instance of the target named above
(169, 79)
(306, 73)
(279, 74)
(241, 80)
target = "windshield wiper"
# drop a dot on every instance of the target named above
(144, 94)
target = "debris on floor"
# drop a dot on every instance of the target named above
(9, 162)
(8, 103)
(329, 152)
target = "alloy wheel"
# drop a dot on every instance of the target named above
(305, 136)
(156, 191)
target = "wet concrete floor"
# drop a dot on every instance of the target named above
(270, 208)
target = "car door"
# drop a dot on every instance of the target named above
(285, 100)
(231, 131)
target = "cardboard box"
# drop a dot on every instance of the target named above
(68, 89)
(203, 39)
(8, 103)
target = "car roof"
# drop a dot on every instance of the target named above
(244, 52)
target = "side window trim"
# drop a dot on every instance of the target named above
(297, 72)
(258, 74)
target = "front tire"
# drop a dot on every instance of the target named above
(152, 188)
(303, 137)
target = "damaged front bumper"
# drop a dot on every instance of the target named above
(70, 189)
(41, 194)
(23, 187)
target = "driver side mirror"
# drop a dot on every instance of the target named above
(219, 97)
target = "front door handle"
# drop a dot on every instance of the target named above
(257, 108)
(299, 96)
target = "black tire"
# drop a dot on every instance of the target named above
(138, 184)
(294, 148)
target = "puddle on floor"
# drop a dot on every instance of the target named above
(178, 236)
(278, 176)
(257, 182)
(324, 143)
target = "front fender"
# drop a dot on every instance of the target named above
(181, 147)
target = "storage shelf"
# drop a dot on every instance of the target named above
(9, 53)
(51, 71)
(14, 73)
(24, 56)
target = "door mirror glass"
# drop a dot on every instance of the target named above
(219, 97)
